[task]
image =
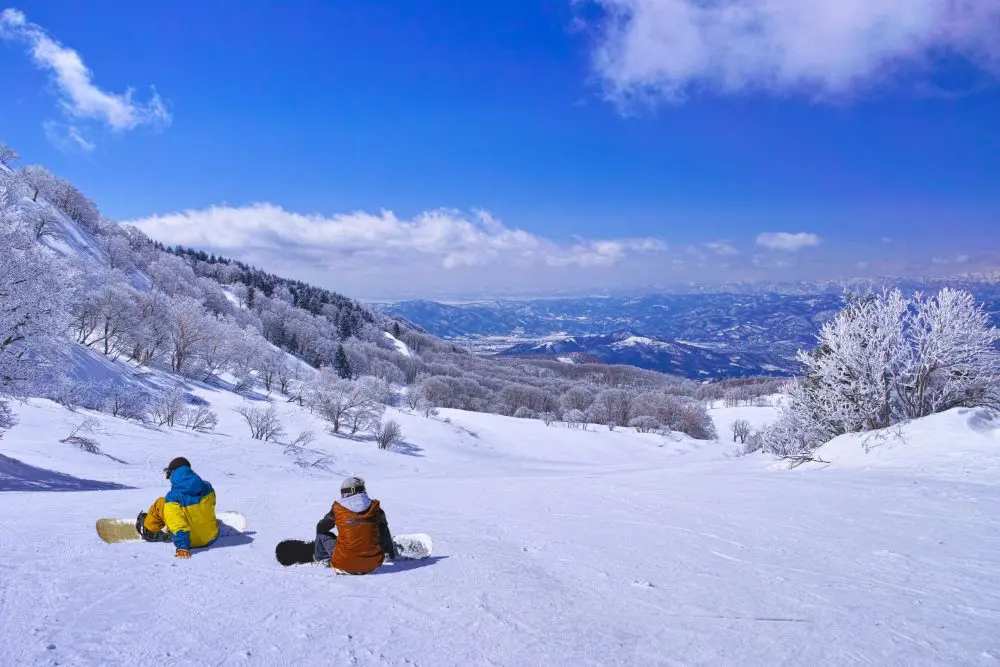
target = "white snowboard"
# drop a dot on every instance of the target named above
(123, 530)
(413, 545)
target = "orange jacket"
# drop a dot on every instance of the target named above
(360, 538)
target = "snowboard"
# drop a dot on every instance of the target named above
(123, 530)
(413, 546)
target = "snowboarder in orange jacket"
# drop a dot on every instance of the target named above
(362, 541)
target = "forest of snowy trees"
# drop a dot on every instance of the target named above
(68, 274)
(68, 277)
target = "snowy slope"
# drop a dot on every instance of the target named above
(553, 547)
(962, 443)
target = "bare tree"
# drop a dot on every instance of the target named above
(88, 445)
(169, 408)
(263, 421)
(304, 439)
(645, 424)
(387, 433)
(576, 419)
(201, 420)
(6, 417)
(413, 397)
(741, 430)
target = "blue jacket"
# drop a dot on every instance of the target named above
(189, 510)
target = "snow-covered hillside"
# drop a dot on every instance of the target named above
(552, 546)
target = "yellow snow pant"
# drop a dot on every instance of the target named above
(154, 521)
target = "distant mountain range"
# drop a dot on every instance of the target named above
(687, 359)
(703, 335)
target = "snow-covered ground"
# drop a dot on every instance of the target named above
(552, 547)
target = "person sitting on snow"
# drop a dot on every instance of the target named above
(187, 511)
(363, 541)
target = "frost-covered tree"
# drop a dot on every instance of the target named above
(696, 422)
(119, 253)
(172, 275)
(42, 222)
(149, 335)
(77, 206)
(334, 398)
(6, 417)
(34, 296)
(951, 357)
(189, 330)
(36, 180)
(887, 358)
(612, 407)
(216, 352)
(249, 354)
(104, 317)
(8, 155)
(577, 398)
(124, 400)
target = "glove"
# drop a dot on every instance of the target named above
(182, 553)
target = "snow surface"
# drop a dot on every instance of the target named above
(552, 547)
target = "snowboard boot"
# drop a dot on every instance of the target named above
(148, 535)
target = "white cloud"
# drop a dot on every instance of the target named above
(80, 97)
(722, 248)
(786, 241)
(67, 138)
(382, 246)
(956, 259)
(664, 49)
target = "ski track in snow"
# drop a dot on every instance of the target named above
(552, 546)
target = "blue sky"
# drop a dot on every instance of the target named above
(532, 145)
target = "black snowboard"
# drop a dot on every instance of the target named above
(408, 547)
(294, 552)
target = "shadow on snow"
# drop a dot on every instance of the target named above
(17, 476)
(234, 540)
(404, 564)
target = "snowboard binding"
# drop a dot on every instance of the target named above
(148, 535)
